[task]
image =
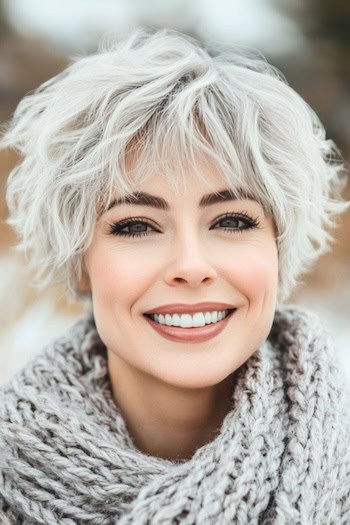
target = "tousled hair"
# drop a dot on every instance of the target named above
(163, 95)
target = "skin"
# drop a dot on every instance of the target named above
(175, 395)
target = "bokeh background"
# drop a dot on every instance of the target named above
(309, 41)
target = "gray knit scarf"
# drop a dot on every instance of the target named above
(281, 456)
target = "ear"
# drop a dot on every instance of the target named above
(84, 283)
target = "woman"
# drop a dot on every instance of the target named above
(180, 191)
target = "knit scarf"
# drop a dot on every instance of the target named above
(281, 455)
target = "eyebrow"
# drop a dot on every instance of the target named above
(146, 199)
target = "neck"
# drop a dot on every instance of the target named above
(167, 421)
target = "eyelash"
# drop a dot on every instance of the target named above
(116, 227)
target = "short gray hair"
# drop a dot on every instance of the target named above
(166, 96)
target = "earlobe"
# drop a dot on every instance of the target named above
(84, 283)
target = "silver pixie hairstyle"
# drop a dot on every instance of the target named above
(168, 98)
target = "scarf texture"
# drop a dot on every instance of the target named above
(281, 455)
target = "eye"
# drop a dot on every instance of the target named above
(136, 227)
(238, 222)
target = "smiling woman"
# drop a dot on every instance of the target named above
(180, 191)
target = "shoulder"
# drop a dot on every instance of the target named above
(316, 410)
(308, 350)
(35, 401)
(63, 355)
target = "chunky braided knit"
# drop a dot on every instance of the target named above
(281, 455)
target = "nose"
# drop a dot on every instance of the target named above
(190, 264)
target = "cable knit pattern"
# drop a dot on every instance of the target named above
(281, 455)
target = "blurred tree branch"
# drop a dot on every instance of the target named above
(324, 69)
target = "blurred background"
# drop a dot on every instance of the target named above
(309, 41)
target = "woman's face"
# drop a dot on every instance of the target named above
(223, 252)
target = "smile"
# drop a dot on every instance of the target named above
(186, 329)
(188, 320)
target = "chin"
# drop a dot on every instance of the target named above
(204, 377)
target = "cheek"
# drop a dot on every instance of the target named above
(119, 274)
(258, 275)
(256, 272)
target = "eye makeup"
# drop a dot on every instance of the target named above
(242, 222)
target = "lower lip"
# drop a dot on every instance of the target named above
(190, 335)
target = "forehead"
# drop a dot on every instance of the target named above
(179, 177)
(203, 187)
(191, 182)
(197, 183)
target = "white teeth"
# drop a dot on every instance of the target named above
(188, 320)
(207, 317)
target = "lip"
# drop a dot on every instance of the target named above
(191, 335)
(181, 308)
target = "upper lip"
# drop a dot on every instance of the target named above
(181, 308)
